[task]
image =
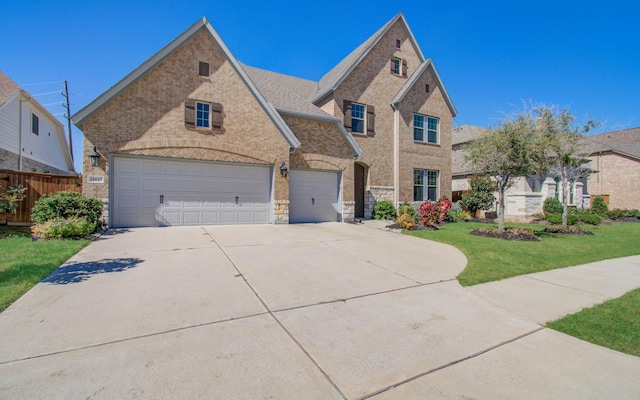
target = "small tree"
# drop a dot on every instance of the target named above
(480, 197)
(511, 149)
(565, 156)
(10, 198)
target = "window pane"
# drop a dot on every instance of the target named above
(433, 123)
(432, 194)
(432, 137)
(357, 117)
(418, 177)
(202, 115)
(432, 179)
(418, 134)
(418, 193)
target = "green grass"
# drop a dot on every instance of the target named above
(494, 259)
(24, 263)
(614, 324)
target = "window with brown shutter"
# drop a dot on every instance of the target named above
(190, 113)
(216, 115)
(371, 114)
(346, 107)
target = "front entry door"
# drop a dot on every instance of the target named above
(358, 190)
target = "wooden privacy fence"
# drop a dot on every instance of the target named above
(37, 184)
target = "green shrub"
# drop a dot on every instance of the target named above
(556, 219)
(64, 205)
(480, 197)
(58, 228)
(457, 216)
(598, 205)
(621, 213)
(592, 219)
(552, 206)
(384, 210)
(456, 206)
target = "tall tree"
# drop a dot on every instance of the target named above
(512, 149)
(565, 157)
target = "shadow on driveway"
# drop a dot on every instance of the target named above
(79, 272)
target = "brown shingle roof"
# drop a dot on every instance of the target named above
(7, 88)
(466, 134)
(626, 141)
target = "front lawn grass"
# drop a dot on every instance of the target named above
(494, 259)
(614, 324)
(23, 263)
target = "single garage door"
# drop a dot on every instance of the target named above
(313, 196)
(160, 192)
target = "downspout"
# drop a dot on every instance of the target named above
(20, 101)
(396, 154)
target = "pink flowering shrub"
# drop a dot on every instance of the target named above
(432, 213)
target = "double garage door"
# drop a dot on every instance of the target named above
(158, 192)
(161, 192)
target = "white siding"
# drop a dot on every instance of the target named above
(9, 126)
(46, 147)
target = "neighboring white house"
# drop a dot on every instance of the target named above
(31, 139)
(527, 195)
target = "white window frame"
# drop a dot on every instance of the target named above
(202, 122)
(397, 66)
(426, 129)
(354, 117)
(425, 184)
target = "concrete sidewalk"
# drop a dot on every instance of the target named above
(546, 296)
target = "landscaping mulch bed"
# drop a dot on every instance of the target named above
(567, 231)
(508, 234)
(625, 219)
(419, 227)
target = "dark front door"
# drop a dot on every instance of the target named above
(359, 183)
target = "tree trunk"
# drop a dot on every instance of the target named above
(565, 200)
(501, 189)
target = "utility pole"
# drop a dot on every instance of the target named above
(68, 116)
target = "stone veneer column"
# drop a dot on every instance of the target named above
(281, 211)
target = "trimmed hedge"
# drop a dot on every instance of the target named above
(65, 205)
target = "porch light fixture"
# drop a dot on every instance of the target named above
(94, 157)
(284, 171)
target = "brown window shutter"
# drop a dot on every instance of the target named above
(371, 117)
(216, 115)
(404, 68)
(392, 65)
(346, 106)
(190, 113)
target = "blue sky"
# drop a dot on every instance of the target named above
(492, 56)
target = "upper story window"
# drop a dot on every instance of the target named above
(35, 124)
(203, 112)
(399, 67)
(425, 129)
(359, 118)
(398, 44)
(425, 184)
(203, 69)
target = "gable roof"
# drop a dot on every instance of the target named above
(625, 142)
(8, 88)
(332, 79)
(285, 93)
(409, 83)
(105, 98)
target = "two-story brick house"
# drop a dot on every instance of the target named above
(192, 136)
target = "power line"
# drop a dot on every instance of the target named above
(43, 83)
(44, 94)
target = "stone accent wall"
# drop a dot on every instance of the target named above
(348, 210)
(36, 166)
(281, 211)
(521, 206)
(8, 160)
(373, 194)
(148, 118)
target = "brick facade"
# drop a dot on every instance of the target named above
(617, 177)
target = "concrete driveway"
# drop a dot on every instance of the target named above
(321, 311)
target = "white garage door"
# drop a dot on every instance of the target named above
(159, 192)
(313, 196)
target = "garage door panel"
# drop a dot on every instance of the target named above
(193, 193)
(313, 196)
